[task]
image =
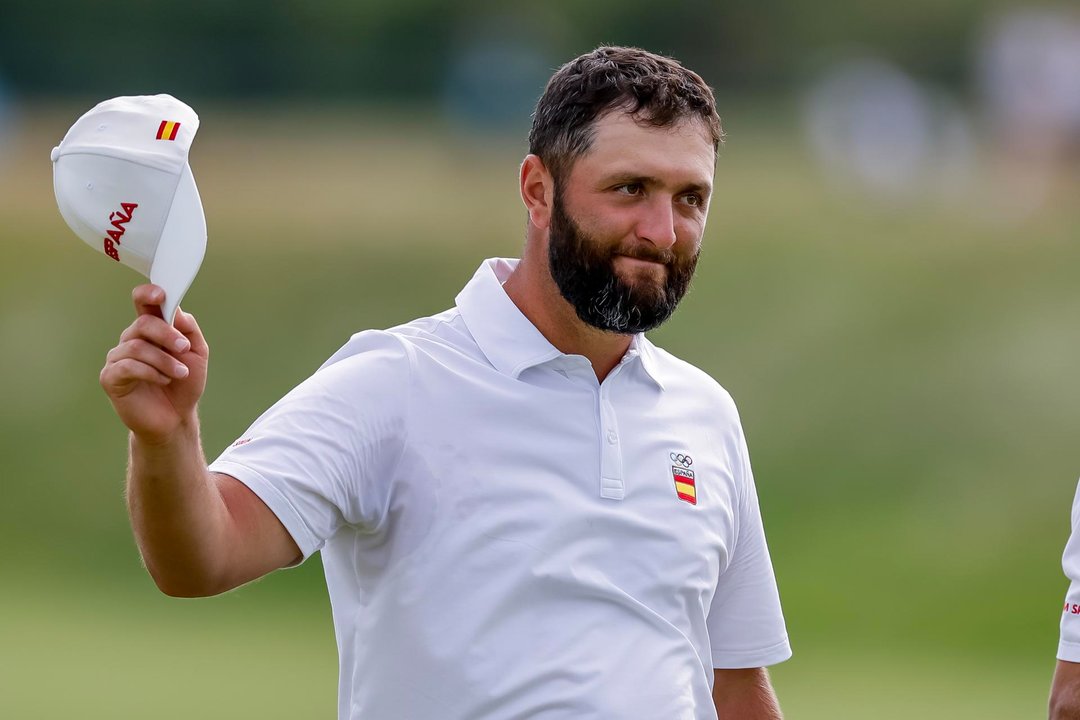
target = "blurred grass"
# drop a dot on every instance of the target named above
(905, 376)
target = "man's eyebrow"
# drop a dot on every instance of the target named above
(699, 188)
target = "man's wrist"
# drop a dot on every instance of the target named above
(182, 436)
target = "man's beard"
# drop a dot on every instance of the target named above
(584, 271)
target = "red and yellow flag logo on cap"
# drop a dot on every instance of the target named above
(167, 130)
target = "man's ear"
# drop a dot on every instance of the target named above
(537, 191)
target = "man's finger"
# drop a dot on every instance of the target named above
(125, 372)
(186, 324)
(148, 354)
(147, 299)
(155, 330)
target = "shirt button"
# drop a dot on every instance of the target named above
(612, 437)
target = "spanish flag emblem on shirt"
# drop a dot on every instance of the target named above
(684, 484)
(167, 130)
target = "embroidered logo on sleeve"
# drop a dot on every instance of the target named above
(685, 487)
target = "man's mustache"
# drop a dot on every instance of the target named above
(649, 253)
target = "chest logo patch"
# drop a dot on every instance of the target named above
(683, 476)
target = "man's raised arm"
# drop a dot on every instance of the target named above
(199, 533)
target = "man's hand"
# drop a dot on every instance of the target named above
(157, 373)
(744, 694)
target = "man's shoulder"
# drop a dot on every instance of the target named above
(432, 334)
(681, 376)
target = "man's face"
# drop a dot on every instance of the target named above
(627, 222)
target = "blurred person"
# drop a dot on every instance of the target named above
(869, 125)
(525, 508)
(875, 131)
(1028, 69)
(1065, 688)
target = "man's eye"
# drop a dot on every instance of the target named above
(629, 189)
(693, 200)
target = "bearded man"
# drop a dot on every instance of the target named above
(525, 508)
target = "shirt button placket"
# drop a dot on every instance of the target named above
(611, 465)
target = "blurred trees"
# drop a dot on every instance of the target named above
(406, 49)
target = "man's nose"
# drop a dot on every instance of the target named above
(657, 224)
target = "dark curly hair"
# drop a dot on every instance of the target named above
(656, 90)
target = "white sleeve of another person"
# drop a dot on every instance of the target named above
(1069, 646)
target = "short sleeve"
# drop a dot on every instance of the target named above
(324, 455)
(746, 622)
(1069, 645)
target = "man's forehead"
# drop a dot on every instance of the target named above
(623, 140)
(621, 118)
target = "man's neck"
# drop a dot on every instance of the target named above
(531, 288)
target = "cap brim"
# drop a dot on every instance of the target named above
(182, 246)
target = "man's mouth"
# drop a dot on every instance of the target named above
(655, 256)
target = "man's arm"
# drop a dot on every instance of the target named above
(199, 534)
(744, 694)
(1065, 692)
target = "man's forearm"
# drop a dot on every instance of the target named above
(177, 513)
(745, 694)
(1065, 702)
(763, 706)
(1065, 692)
(1064, 709)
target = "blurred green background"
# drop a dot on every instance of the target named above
(900, 335)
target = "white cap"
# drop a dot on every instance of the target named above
(123, 184)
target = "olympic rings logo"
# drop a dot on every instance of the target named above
(684, 460)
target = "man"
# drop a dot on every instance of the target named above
(1065, 690)
(525, 509)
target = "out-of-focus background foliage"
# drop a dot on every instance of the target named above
(889, 290)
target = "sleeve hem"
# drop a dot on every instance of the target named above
(1069, 651)
(276, 501)
(758, 657)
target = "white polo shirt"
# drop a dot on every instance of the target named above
(505, 537)
(1069, 645)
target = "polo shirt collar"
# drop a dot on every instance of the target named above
(648, 354)
(507, 338)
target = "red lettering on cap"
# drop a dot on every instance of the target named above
(119, 220)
